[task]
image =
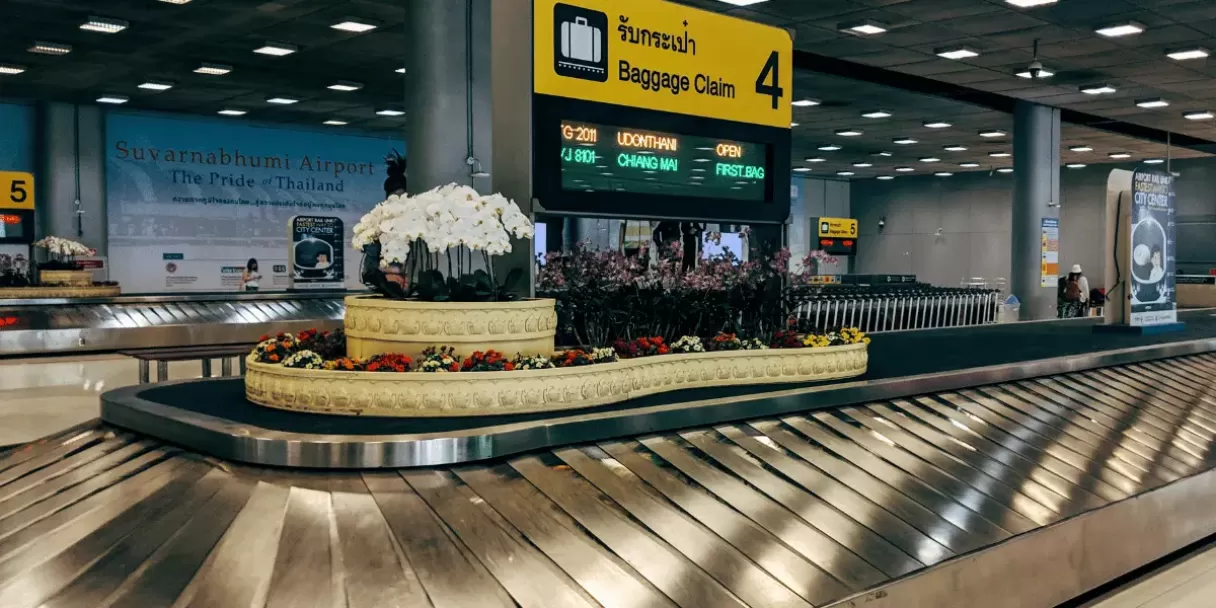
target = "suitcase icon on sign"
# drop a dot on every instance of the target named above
(580, 44)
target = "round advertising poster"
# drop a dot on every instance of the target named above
(1148, 261)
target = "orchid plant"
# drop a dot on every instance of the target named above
(63, 253)
(415, 235)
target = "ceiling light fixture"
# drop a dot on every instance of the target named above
(867, 27)
(863, 165)
(1185, 54)
(1120, 155)
(354, 25)
(1201, 115)
(956, 52)
(176, 1)
(400, 70)
(345, 86)
(999, 154)
(9, 69)
(886, 178)
(799, 170)
(114, 99)
(905, 169)
(276, 49)
(943, 174)
(992, 133)
(883, 153)
(929, 159)
(1030, 3)
(50, 48)
(1081, 149)
(742, 2)
(213, 69)
(1116, 30)
(1152, 102)
(1076, 165)
(388, 112)
(955, 148)
(937, 124)
(282, 101)
(829, 147)
(335, 123)
(903, 141)
(815, 159)
(845, 173)
(227, 112)
(969, 165)
(797, 103)
(104, 25)
(876, 114)
(156, 85)
(1005, 170)
(1098, 89)
(1154, 161)
(848, 132)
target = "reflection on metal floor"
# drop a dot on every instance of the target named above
(798, 511)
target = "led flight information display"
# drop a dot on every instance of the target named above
(16, 226)
(603, 158)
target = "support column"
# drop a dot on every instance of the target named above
(71, 168)
(1036, 195)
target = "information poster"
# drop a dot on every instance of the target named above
(1153, 297)
(1049, 266)
(317, 252)
(194, 202)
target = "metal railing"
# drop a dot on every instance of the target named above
(875, 309)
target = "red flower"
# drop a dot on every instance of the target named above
(509, 366)
(274, 358)
(663, 350)
(455, 367)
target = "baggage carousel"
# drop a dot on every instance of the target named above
(1023, 483)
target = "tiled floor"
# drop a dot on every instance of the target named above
(41, 396)
(1189, 583)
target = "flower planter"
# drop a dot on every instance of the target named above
(414, 394)
(376, 325)
(72, 278)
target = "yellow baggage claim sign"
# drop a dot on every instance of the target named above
(663, 56)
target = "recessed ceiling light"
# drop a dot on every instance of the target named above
(400, 70)
(1154, 161)
(276, 49)
(794, 124)
(335, 123)
(815, 159)
(345, 86)
(803, 103)
(353, 25)
(801, 169)
(845, 173)
(1030, 3)
(1185, 54)
(943, 174)
(905, 169)
(930, 159)
(156, 85)
(848, 132)
(1098, 89)
(1201, 115)
(390, 113)
(882, 153)
(1076, 165)
(1005, 170)
(176, 1)
(867, 27)
(992, 133)
(1081, 149)
(955, 148)
(1152, 102)
(886, 177)
(937, 124)
(742, 2)
(876, 114)
(1120, 155)
(969, 165)
(999, 154)
(50, 48)
(829, 147)
(231, 112)
(114, 99)
(9, 69)
(956, 52)
(282, 101)
(213, 69)
(1041, 73)
(903, 141)
(863, 165)
(1116, 30)
(104, 25)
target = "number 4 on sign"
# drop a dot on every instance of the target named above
(773, 70)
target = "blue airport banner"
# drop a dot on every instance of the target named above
(193, 201)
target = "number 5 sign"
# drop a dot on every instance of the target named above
(16, 190)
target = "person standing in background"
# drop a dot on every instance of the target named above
(1076, 294)
(251, 277)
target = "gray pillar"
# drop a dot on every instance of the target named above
(72, 146)
(1036, 195)
(439, 83)
(511, 45)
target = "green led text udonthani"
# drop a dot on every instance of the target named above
(648, 161)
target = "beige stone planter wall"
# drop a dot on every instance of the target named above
(417, 394)
(376, 325)
(73, 278)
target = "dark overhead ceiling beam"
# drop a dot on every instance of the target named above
(927, 86)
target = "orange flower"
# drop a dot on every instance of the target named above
(274, 358)
(510, 366)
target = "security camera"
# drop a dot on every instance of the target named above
(1035, 68)
(882, 223)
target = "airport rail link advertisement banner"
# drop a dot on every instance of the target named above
(316, 252)
(192, 201)
(1153, 246)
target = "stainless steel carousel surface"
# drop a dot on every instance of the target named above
(1024, 493)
